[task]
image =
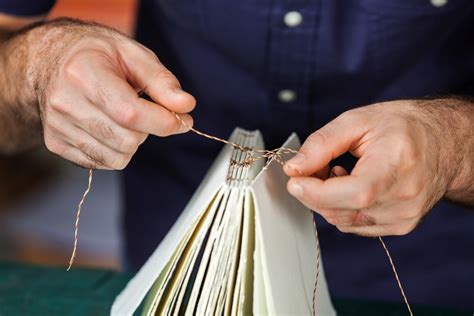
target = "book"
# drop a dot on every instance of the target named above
(242, 245)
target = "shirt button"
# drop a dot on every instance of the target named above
(294, 18)
(287, 96)
(438, 3)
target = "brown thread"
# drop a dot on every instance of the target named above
(396, 276)
(251, 157)
(318, 255)
(78, 216)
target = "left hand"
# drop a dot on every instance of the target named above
(407, 161)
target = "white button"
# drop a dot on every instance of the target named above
(439, 3)
(287, 96)
(294, 18)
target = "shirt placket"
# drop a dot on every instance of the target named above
(291, 54)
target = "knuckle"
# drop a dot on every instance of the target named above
(127, 115)
(120, 162)
(73, 69)
(165, 75)
(410, 213)
(324, 213)
(331, 220)
(338, 220)
(168, 126)
(93, 153)
(365, 198)
(53, 146)
(87, 163)
(401, 230)
(129, 143)
(54, 98)
(151, 54)
(347, 115)
(57, 102)
(328, 215)
(408, 192)
(344, 228)
(318, 138)
(357, 116)
(403, 143)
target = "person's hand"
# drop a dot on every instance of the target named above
(408, 159)
(87, 87)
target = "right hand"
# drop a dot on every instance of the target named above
(88, 97)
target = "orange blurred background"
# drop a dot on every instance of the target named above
(119, 14)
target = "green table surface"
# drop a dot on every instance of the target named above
(36, 290)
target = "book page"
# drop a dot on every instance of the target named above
(243, 293)
(134, 293)
(284, 230)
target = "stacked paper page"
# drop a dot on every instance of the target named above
(242, 246)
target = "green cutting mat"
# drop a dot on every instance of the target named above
(34, 290)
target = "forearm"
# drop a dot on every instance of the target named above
(20, 125)
(453, 120)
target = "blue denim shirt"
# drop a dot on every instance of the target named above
(236, 58)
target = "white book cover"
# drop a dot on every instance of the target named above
(241, 246)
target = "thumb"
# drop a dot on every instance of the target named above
(332, 140)
(145, 71)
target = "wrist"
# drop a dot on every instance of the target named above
(449, 123)
(461, 186)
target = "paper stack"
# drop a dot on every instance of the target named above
(241, 246)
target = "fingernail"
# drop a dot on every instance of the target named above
(293, 163)
(296, 189)
(296, 160)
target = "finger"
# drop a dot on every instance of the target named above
(338, 171)
(372, 176)
(115, 97)
(322, 174)
(112, 135)
(95, 151)
(94, 122)
(147, 72)
(102, 128)
(72, 154)
(367, 231)
(348, 192)
(394, 212)
(337, 216)
(166, 122)
(329, 142)
(77, 157)
(386, 216)
(380, 230)
(348, 217)
(98, 153)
